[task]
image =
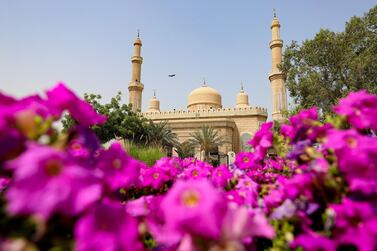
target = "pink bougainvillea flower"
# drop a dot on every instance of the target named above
(221, 175)
(45, 181)
(171, 166)
(241, 222)
(262, 141)
(153, 177)
(196, 171)
(187, 207)
(84, 144)
(356, 154)
(233, 197)
(4, 182)
(301, 126)
(313, 242)
(247, 189)
(140, 207)
(118, 169)
(245, 160)
(356, 224)
(263, 137)
(60, 98)
(107, 226)
(360, 109)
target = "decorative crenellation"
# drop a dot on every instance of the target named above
(184, 114)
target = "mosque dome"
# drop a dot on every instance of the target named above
(205, 98)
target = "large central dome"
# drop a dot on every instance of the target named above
(205, 98)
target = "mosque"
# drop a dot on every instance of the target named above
(236, 124)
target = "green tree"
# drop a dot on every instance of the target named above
(161, 135)
(121, 122)
(332, 64)
(206, 139)
(185, 149)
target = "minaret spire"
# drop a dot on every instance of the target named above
(135, 87)
(274, 10)
(277, 77)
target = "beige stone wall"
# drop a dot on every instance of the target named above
(231, 123)
(203, 114)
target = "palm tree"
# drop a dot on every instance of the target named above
(185, 149)
(161, 135)
(206, 139)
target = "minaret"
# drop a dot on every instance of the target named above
(277, 77)
(242, 99)
(135, 88)
(154, 104)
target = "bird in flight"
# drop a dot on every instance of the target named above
(171, 75)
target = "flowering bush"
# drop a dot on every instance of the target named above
(66, 192)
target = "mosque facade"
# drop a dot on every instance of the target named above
(236, 124)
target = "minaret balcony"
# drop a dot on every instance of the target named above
(135, 86)
(137, 59)
(276, 74)
(276, 43)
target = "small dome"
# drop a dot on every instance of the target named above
(242, 99)
(154, 104)
(204, 97)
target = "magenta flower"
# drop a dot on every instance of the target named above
(244, 182)
(171, 166)
(313, 242)
(198, 170)
(153, 177)
(45, 182)
(360, 109)
(107, 226)
(273, 199)
(60, 98)
(187, 207)
(4, 182)
(262, 141)
(118, 169)
(18, 123)
(302, 126)
(221, 175)
(356, 224)
(11, 143)
(84, 144)
(242, 222)
(356, 154)
(233, 197)
(285, 210)
(245, 160)
(139, 207)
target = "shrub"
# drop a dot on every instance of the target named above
(65, 191)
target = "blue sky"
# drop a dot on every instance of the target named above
(88, 44)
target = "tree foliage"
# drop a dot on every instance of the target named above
(185, 149)
(206, 139)
(160, 134)
(123, 123)
(332, 64)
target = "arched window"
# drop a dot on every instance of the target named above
(245, 138)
